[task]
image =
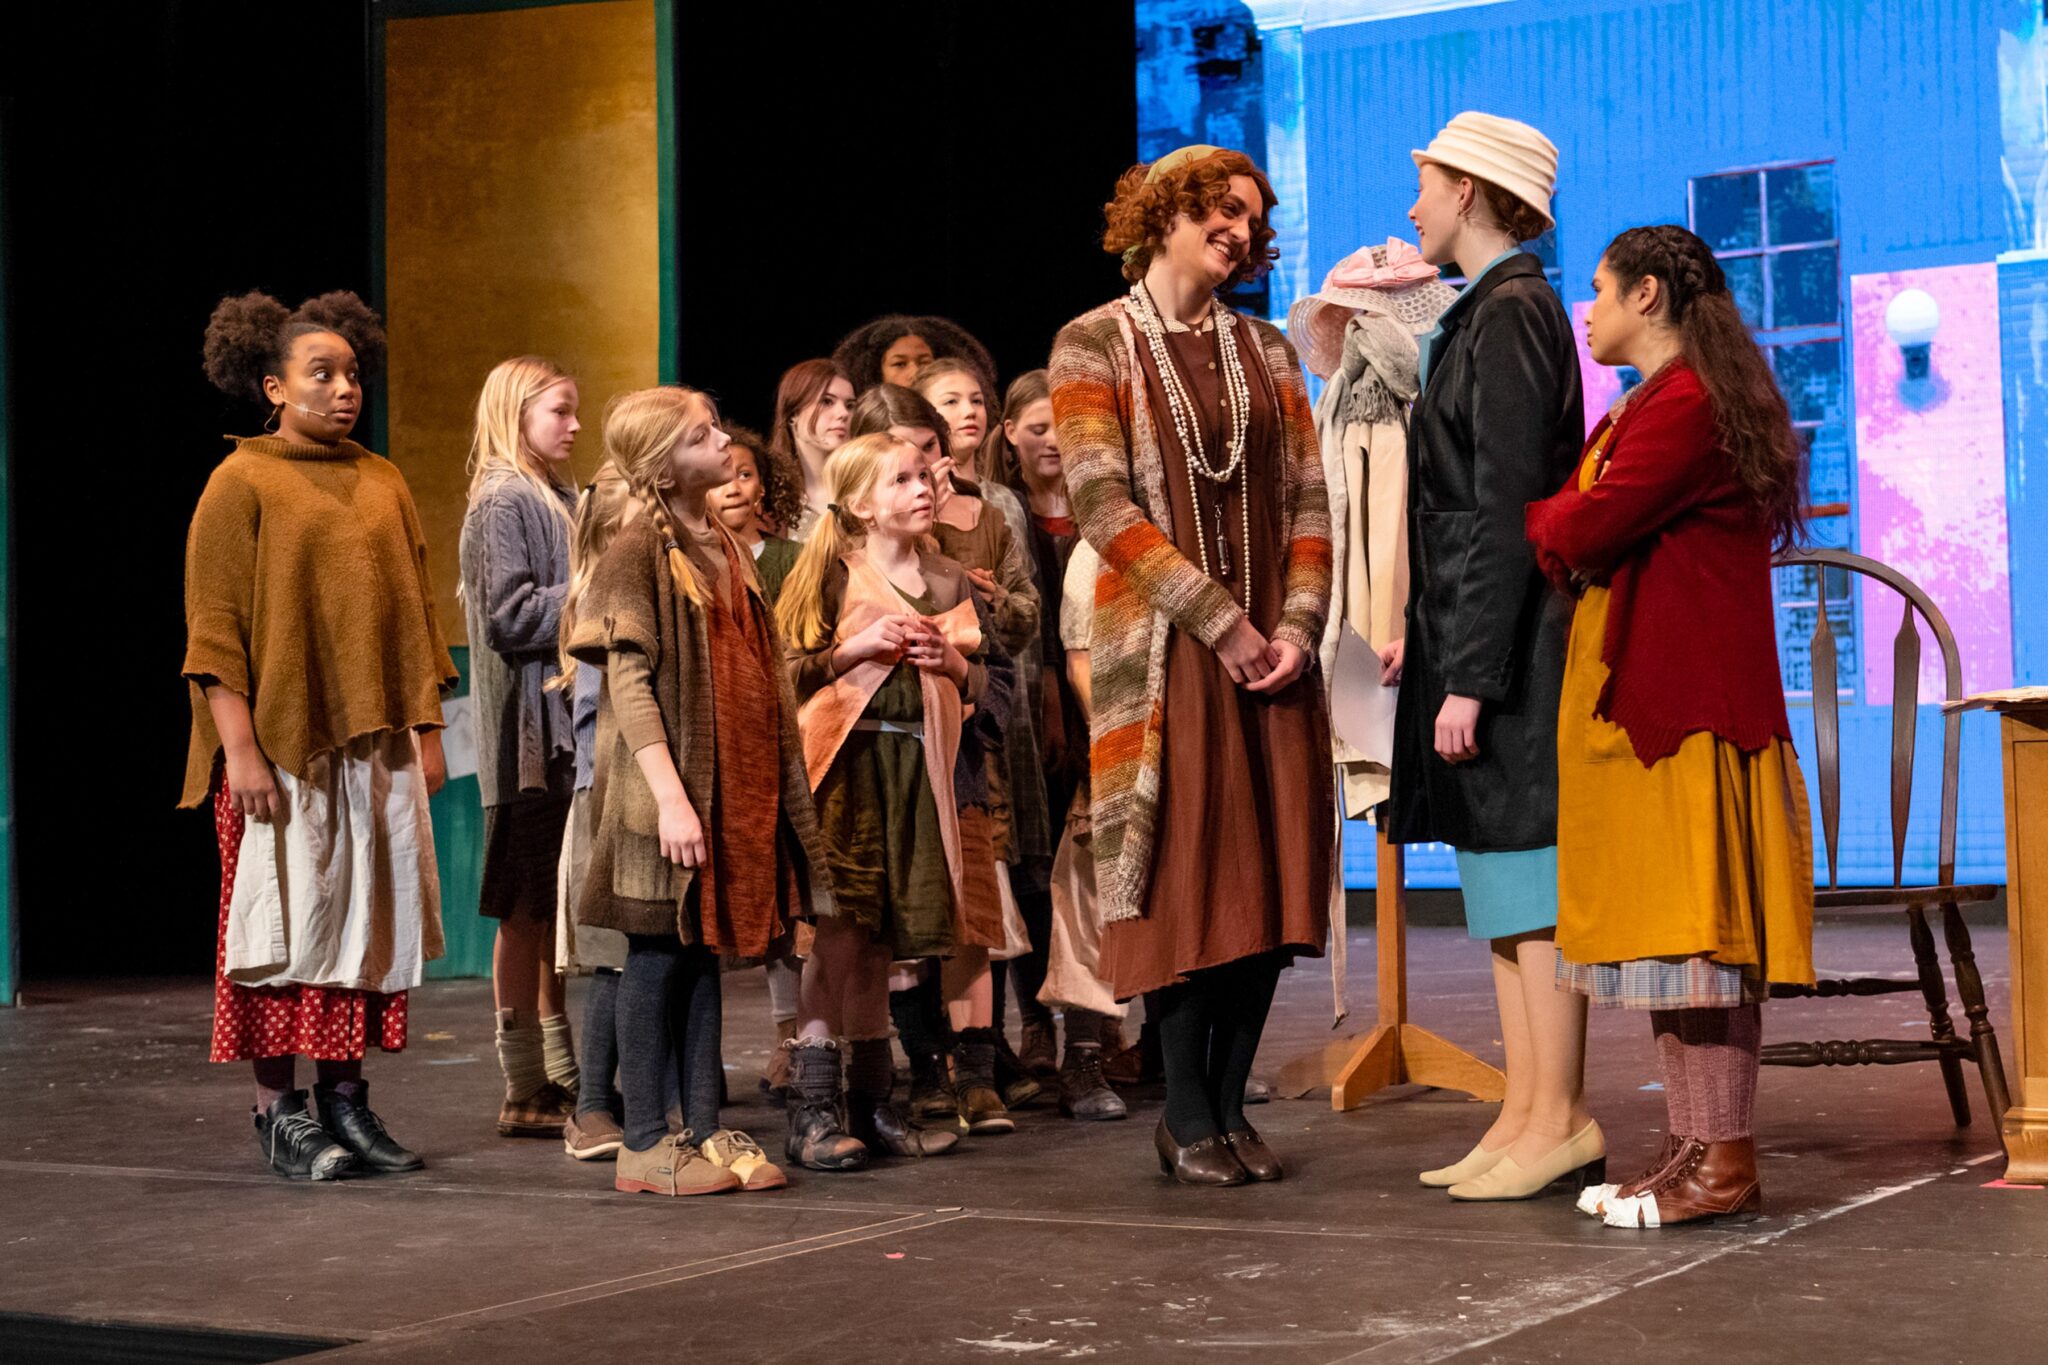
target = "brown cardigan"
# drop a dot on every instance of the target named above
(306, 591)
(632, 604)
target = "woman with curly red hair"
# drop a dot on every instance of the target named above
(315, 666)
(1193, 469)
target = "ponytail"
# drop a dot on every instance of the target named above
(850, 473)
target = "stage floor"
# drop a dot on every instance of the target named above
(133, 1193)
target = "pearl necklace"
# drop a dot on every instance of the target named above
(1181, 406)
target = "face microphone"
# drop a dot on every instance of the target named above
(311, 412)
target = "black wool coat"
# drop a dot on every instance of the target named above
(1499, 425)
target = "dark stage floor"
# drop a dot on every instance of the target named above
(131, 1192)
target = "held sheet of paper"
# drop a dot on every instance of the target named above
(1361, 710)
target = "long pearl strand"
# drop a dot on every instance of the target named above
(1180, 406)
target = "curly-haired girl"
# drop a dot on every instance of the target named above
(315, 666)
(896, 349)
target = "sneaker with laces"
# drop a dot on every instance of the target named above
(295, 1144)
(732, 1150)
(672, 1166)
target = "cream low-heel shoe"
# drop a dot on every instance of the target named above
(1471, 1166)
(1583, 1156)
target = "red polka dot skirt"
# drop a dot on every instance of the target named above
(328, 1024)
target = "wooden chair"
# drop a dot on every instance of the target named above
(1944, 895)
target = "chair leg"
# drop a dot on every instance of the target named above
(1970, 986)
(1939, 1025)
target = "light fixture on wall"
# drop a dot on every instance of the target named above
(1912, 318)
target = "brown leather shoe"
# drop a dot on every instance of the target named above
(1209, 1161)
(1705, 1180)
(1253, 1154)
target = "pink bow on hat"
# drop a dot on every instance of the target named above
(1404, 266)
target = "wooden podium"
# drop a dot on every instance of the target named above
(1396, 1052)
(2024, 735)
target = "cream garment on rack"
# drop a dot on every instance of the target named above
(1361, 419)
(341, 888)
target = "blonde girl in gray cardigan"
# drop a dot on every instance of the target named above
(515, 573)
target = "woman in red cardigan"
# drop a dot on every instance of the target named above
(1685, 855)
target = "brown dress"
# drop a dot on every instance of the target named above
(1247, 818)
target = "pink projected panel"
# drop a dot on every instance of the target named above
(1930, 462)
(1602, 384)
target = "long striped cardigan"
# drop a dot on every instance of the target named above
(1116, 483)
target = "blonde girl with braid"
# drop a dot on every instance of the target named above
(695, 857)
(515, 573)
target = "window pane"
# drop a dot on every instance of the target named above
(1746, 281)
(1806, 288)
(1802, 204)
(1811, 377)
(1725, 211)
(1827, 464)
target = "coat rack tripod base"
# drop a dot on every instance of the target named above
(1396, 1052)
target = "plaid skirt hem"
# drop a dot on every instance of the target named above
(1663, 983)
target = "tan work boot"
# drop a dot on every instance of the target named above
(672, 1166)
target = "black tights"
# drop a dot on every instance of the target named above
(1027, 973)
(1209, 1030)
(669, 1012)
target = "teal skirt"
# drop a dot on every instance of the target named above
(1509, 893)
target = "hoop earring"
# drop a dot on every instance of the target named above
(270, 424)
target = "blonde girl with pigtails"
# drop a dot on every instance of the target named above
(515, 574)
(903, 688)
(695, 857)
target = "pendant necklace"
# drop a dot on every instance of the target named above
(1181, 408)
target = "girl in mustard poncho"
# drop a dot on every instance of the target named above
(315, 667)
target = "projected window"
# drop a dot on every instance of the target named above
(1773, 229)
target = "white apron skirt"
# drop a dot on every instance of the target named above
(341, 888)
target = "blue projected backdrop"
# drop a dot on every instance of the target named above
(1867, 174)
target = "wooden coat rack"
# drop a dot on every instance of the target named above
(1396, 1052)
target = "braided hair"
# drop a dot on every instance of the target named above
(1750, 416)
(250, 337)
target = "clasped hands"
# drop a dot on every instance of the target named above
(1257, 664)
(904, 637)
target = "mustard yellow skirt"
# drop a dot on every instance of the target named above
(1705, 854)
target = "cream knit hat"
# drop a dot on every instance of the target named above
(1504, 151)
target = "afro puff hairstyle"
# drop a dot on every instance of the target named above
(250, 336)
(860, 354)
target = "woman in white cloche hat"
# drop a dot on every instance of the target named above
(1498, 426)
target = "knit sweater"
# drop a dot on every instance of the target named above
(306, 591)
(1116, 485)
(1691, 640)
(515, 573)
